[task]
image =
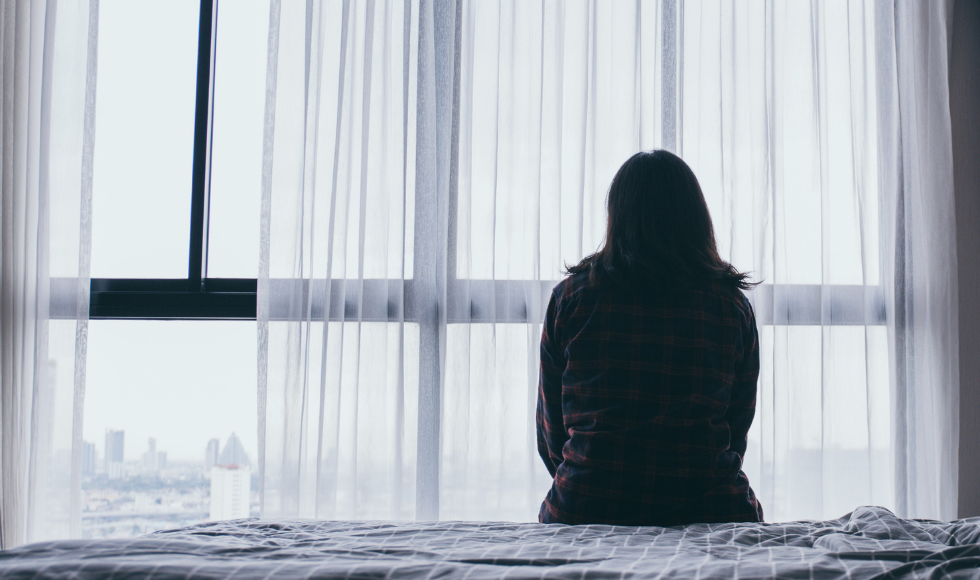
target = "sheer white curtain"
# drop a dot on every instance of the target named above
(47, 78)
(919, 237)
(429, 166)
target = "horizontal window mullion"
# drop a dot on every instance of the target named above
(371, 299)
(172, 306)
(498, 301)
(350, 300)
(517, 301)
(383, 300)
(154, 299)
(818, 305)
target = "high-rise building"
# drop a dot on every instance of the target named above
(114, 441)
(233, 452)
(231, 487)
(211, 454)
(154, 460)
(88, 458)
(150, 457)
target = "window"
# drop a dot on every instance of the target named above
(216, 286)
(170, 391)
(142, 264)
(177, 398)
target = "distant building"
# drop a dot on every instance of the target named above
(154, 460)
(211, 454)
(233, 453)
(88, 458)
(231, 487)
(149, 459)
(114, 441)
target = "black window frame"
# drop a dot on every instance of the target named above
(197, 297)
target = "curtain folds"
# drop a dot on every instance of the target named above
(47, 80)
(430, 166)
(916, 168)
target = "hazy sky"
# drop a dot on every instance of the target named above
(182, 382)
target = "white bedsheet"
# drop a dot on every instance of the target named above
(868, 543)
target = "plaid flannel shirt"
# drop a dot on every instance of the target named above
(644, 404)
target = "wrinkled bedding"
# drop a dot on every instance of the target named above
(868, 543)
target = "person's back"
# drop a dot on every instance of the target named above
(649, 364)
(648, 398)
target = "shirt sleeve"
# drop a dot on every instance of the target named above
(741, 409)
(550, 424)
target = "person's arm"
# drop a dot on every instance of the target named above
(741, 408)
(550, 424)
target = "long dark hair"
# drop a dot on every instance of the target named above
(659, 230)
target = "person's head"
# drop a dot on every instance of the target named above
(659, 229)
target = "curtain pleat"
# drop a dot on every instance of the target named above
(47, 78)
(341, 399)
(431, 167)
(918, 227)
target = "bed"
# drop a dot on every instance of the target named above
(870, 542)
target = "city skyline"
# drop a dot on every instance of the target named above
(127, 498)
(153, 457)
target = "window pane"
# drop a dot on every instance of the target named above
(821, 442)
(490, 465)
(236, 153)
(532, 198)
(811, 183)
(164, 403)
(144, 140)
(347, 204)
(370, 430)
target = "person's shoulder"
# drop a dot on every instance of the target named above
(574, 286)
(732, 296)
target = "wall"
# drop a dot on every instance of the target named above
(964, 106)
